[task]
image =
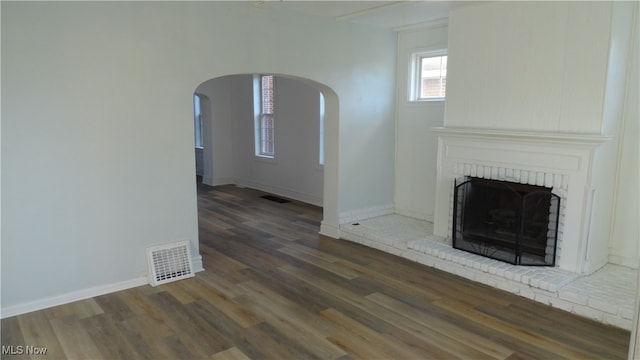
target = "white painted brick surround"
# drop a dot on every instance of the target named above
(607, 295)
(562, 161)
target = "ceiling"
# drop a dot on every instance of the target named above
(387, 14)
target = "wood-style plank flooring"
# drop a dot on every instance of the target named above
(275, 289)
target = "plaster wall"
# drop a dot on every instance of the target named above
(553, 69)
(97, 128)
(416, 144)
(536, 66)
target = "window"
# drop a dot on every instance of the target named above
(265, 121)
(197, 118)
(429, 76)
(321, 150)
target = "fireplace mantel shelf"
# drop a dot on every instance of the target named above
(578, 139)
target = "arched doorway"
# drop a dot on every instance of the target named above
(305, 163)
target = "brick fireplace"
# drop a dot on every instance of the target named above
(563, 162)
(551, 76)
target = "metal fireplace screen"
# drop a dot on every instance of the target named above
(510, 222)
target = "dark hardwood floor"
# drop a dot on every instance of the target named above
(275, 289)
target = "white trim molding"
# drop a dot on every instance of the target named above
(429, 24)
(286, 192)
(367, 213)
(634, 341)
(576, 139)
(5, 312)
(71, 297)
(330, 230)
(196, 263)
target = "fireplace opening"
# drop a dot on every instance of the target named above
(506, 221)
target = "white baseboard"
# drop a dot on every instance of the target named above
(207, 180)
(286, 192)
(330, 230)
(222, 181)
(414, 214)
(71, 297)
(196, 263)
(624, 261)
(367, 213)
(212, 181)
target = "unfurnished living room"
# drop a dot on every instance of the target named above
(316, 179)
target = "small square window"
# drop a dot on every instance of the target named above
(429, 76)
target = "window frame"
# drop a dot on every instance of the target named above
(197, 122)
(261, 149)
(415, 75)
(321, 138)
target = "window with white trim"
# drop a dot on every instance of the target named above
(265, 119)
(321, 149)
(428, 76)
(197, 125)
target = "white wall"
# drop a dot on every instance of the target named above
(416, 144)
(528, 65)
(97, 128)
(295, 172)
(217, 130)
(624, 244)
(552, 67)
(610, 172)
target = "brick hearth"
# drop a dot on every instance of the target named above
(606, 295)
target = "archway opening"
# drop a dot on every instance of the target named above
(304, 165)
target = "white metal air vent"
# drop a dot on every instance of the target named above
(169, 263)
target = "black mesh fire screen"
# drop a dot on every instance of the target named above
(511, 222)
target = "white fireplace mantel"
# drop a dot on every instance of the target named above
(563, 161)
(577, 139)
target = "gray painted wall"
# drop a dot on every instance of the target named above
(97, 128)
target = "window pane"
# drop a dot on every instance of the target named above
(267, 94)
(432, 64)
(432, 88)
(433, 75)
(197, 121)
(266, 135)
(266, 122)
(321, 150)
